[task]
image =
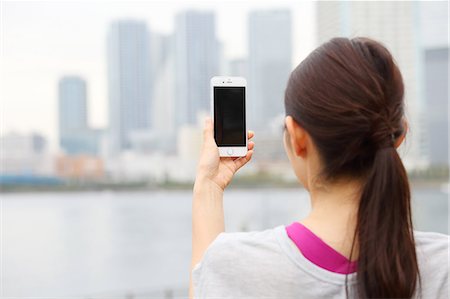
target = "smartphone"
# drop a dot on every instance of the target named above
(228, 97)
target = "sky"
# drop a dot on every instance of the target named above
(40, 41)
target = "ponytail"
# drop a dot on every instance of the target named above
(387, 264)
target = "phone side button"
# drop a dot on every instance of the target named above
(230, 152)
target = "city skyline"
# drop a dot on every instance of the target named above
(206, 18)
(88, 56)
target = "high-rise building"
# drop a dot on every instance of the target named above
(436, 97)
(72, 103)
(237, 67)
(196, 61)
(72, 110)
(163, 120)
(433, 23)
(129, 81)
(394, 23)
(434, 34)
(269, 63)
(75, 135)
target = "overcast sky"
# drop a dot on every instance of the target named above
(44, 40)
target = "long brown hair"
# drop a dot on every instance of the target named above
(348, 95)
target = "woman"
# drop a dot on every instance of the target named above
(344, 120)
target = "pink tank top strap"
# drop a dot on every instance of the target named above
(318, 252)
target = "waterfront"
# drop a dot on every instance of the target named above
(97, 244)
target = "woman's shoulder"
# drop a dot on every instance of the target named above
(431, 241)
(257, 235)
(433, 257)
(244, 248)
(432, 249)
(244, 242)
(233, 259)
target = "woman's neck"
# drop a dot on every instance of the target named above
(333, 214)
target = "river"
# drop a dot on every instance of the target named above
(132, 244)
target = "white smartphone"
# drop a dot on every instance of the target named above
(228, 109)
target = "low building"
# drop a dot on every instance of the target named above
(25, 154)
(82, 167)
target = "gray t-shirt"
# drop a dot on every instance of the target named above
(268, 264)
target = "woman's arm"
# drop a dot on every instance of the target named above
(213, 175)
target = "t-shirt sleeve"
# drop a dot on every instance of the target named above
(234, 265)
(201, 270)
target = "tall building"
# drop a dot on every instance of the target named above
(72, 103)
(163, 120)
(196, 61)
(75, 135)
(237, 67)
(72, 110)
(436, 97)
(129, 81)
(434, 32)
(394, 23)
(434, 16)
(269, 63)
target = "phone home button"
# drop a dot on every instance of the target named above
(230, 152)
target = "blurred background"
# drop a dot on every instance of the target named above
(101, 116)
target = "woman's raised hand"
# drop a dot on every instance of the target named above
(215, 169)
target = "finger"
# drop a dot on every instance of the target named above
(251, 146)
(250, 134)
(238, 163)
(208, 132)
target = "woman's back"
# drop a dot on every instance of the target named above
(268, 264)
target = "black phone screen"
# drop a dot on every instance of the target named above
(229, 116)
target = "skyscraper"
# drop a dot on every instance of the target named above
(269, 62)
(163, 120)
(129, 81)
(72, 110)
(436, 96)
(196, 61)
(394, 24)
(434, 33)
(237, 67)
(75, 135)
(433, 23)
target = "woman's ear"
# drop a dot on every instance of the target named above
(297, 136)
(401, 138)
